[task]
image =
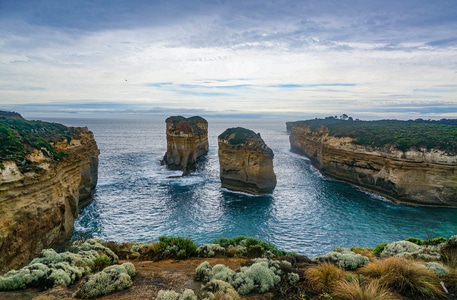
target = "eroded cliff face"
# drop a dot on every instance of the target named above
(38, 208)
(187, 141)
(417, 177)
(246, 162)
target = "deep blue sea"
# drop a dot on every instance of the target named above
(307, 213)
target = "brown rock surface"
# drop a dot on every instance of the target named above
(246, 162)
(412, 177)
(38, 208)
(187, 141)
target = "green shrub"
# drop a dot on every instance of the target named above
(293, 278)
(177, 247)
(344, 258)
(96, 245)
(435, 241)
(415, 240)
(101, 262)
(111, 279)
(379, 248)
(210, 250)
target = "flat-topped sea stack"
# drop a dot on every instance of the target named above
(246, 162)
(47, 173)
(412, 162)
(187, 141)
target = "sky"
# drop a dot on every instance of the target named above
(302, 58)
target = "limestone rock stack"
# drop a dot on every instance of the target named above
(187, 141)
(246, 162)
(40, 196)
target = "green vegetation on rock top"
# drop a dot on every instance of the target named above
(404, 135)
(20, 137)
(238, 135)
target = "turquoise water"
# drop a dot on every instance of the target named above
(307, 213)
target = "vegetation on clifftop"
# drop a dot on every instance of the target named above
(20, 137)
(403, 135)
(238, 135)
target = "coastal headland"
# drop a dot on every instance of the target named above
(410, 162)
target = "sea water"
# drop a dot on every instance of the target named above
(136, 200)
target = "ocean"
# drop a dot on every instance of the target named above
(307, 212)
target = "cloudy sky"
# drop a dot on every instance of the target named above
(368, 59)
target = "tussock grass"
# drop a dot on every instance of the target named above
(357, 290)
(322, 277)
(406, 277)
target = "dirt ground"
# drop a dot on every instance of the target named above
(150, 278)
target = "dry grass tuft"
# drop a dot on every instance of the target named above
(322, 277)
(406, 277)
(356, 290)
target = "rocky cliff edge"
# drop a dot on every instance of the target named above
(414, 176)
(41, 189)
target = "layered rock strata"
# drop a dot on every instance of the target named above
(187, 141)
(418, 177)
(38, 205)
(246, 162)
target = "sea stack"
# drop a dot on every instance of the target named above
(246, 162)
(187, 141)
(47, 173)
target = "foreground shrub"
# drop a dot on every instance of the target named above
(176, 247)
(405, 277)
(101, 262)
(210, 250)
(344, 258)
(260, 277)
(172, 295)
(254, 247)
(219, 289)
(356, 290)
(111, 279)
(323, 277)
(50, 269)
(449, 252)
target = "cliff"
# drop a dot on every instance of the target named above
(47, 173)
(187, 141)
(246, 162)
(412, 175)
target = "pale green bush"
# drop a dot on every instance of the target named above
(344, 258)
(50, 269)
(218, 289)
(438, 269)
(111, 279)
(293, 278)
(400, 248)
(138, 247)
(261, 276)
(94, 244)
(210, 250)
(409, 249)
(172, 295)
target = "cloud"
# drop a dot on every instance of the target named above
(280, 56)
